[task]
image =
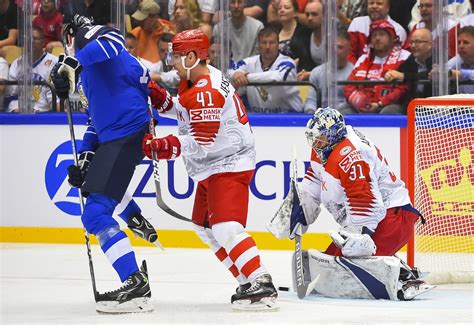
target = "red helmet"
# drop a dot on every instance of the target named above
(191, 40)
(382, 24)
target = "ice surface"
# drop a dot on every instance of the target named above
(50, 284)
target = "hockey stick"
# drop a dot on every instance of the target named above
(156, 177)
(76, 163)
(301, 288)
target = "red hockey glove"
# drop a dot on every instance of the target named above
(167, 148)
(160, 97)
(359, 100)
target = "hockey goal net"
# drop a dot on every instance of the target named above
(441, 182)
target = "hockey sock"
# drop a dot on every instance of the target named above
(131, 209)
(119, 252)
(242, 249)
(221, 254)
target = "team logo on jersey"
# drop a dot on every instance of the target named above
(59, 191)
(201, 83)
(344, 151)
(205, 115)
(351, 158)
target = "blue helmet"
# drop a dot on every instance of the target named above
(324, 130)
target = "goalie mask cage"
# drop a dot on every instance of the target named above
(441, 184)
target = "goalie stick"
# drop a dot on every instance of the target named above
(156, 177)
(302, 289)
(66, 37)
(298, 263)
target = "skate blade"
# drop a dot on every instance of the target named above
(265, 304)
(411, 293)
(137, 305)
(158, 244)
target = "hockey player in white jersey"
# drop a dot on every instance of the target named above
(268, 66)
(350, 176)
(43, 63)
(217, 146)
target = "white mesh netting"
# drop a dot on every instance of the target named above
(444, 191)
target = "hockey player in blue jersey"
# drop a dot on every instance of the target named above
(116, 87)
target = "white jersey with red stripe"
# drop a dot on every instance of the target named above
(356, 185)
(214, 130)
(359, 32)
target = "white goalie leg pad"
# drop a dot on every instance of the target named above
(137, 305)
(368, 278)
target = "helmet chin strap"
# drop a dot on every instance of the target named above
(188, 70)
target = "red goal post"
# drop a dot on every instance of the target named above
(441, 185)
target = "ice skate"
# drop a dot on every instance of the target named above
(143, 229)
(132, 297)
(412, 288)
(260, 295)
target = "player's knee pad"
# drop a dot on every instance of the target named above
(340, 277)
(97, 214)
(228, 233)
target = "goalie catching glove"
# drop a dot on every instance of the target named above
(160, 97)
(77, 174)
(65, 75)
(353, 244)
(167, 148)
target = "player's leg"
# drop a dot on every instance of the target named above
(129, 211)
(106, 181)
(201, 226)
(228, 206)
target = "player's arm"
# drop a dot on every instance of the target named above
(285, 69)
(205, 111)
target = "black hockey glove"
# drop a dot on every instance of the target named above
(60, 82)
(77, 174)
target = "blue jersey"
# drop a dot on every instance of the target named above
(114, 82)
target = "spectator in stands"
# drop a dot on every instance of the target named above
(318, 76)
(426, 11)
(43, 63)
(131, 44)
(98, 10)
(188, 15)
(152, 27)
(51, 21)
(272, 11)
(385, 54)
(243, 31)
(268, 66)
(293, 36)
(8, 23)
(417, 66)
(359, 28)
(312, 50)
(461, 67)
(162, 73)
(207, 8)
(456, 9)
(3, 76)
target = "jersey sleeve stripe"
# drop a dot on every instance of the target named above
(103, 48)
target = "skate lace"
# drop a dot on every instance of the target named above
(126, 284)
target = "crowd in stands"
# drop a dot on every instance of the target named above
(271, 40)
